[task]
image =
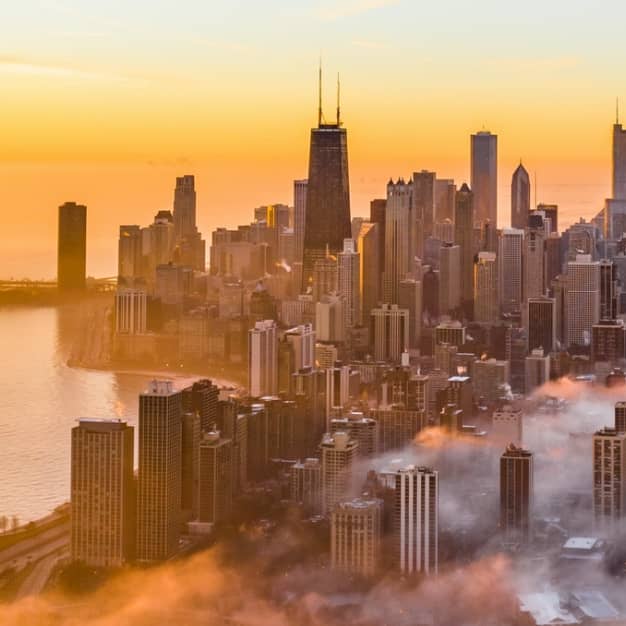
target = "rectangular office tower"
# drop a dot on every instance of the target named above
(327, 219)
(72, 247)
(215, 478)
(355, 536)
(160, 469)
(338, 453)
(102, 493)
(416, 530)
(484, 165)
(516, 493)
(609, 480)
(263, 359)
(619, 162)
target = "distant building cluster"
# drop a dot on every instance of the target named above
(359, 336)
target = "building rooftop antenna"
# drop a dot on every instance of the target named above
(338, 101)
(320, 116)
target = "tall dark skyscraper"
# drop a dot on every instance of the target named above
(190, 247)
(619, 161)
(184, 206)
(328, 193)
(516, 493)
(520, 198)
(484, 158)
(72, 246)
(464, 237)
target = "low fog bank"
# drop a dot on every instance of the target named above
(280, 579)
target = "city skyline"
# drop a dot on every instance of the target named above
(158, 122)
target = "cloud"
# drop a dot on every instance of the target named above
(536, 64)
(330, 11)
(369, 44)
(27, 67)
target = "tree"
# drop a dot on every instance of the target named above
(15, 522)
(4, 523)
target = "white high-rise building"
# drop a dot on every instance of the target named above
(355, 536)
(329, 319)
(160, 472)
(102, 493)
(349, 266)
(263, 359)
(389, 332)
(609, 479)
(302, 341)
(337, 389)
(416, 529)
(130, 311)
(338, 454)
(582, 299)
(510, 269)
(486, 307)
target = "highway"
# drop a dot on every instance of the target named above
(38, 578)
(35, 548)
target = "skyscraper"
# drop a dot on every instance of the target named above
(184, 207)
(355, 536)
(263, 359)
(533, 263)
(445, 190)
(449, 278)
(159, 479)
(583, 299)
(484, 165)
(520, 197)
(464, 237)
(327, 221)
(72, 247)
(510, 269)
(190, 247)
(619, 162)
(389, 332)
(486, 307)
(215, 478)
(609, 479)
(299, 217)
(129, 255)
(338, 453)
(609, 290)
(349, 270)
(368, 246)
(423, 208)
(416, 515)
(102, 493)
(516, 493)
(541, 323)
(399, 237)
(410, 298)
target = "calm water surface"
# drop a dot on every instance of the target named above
(40, 400)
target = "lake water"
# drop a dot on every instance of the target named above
(40, 400)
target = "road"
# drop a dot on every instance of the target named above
(35, 548)
(38, 578)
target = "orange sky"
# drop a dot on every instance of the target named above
(105, 107)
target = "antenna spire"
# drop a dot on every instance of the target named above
(617, 110)
(319, 106)
(338, 101)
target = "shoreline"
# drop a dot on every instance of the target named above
(222, 383)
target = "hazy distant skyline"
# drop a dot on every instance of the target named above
(106, 104)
